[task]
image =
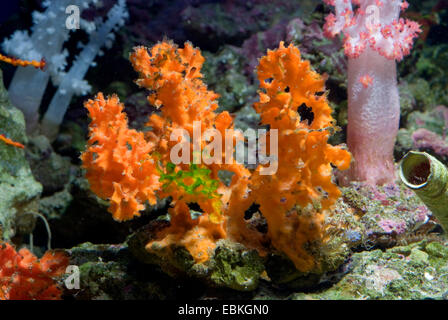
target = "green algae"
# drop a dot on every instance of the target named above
(235, 267)
(106, 273)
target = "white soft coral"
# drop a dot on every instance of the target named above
(49, 33)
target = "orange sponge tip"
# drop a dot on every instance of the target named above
(11, 142)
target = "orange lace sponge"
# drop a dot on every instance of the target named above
(293, 102)
(24, 277)
(173, 76)
(118, 162)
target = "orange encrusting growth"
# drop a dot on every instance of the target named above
(117, 160)
(366, 80)
(11, 142)
(23, 63)
(289, 90)
(24, 277)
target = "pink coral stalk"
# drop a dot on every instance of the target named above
(374, 38)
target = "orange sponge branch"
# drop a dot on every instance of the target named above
(117, 160)
(23, 63)
(289, 87)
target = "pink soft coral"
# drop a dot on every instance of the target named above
(374, 37)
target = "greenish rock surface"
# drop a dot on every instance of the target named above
(422, 93)
(19, 191)
(231, 265)
(415, 271)
(404, 143)
(223, 74)
(48, 167)
(109, 272)
(54, 206)
(384, 215)
(235, 267)
(427, 74)
(425, 131)
(329, 257)
(407, 100)
(433, 120)
(246, 118)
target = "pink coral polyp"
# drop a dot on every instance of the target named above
(374, 24)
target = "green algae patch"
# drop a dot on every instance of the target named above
(236, 267)
(437, 250)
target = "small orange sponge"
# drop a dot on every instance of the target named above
(24, 277)
(23, 63)
(119, 166)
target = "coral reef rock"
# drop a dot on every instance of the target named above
(231, 265)
(416, 271)
(19, 191)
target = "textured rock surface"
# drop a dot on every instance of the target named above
(49, 168)
(384, 215)
(425, 131)
(231, 265)
(364, 218)
(19, 191)
(416, 271)
(109, 272)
